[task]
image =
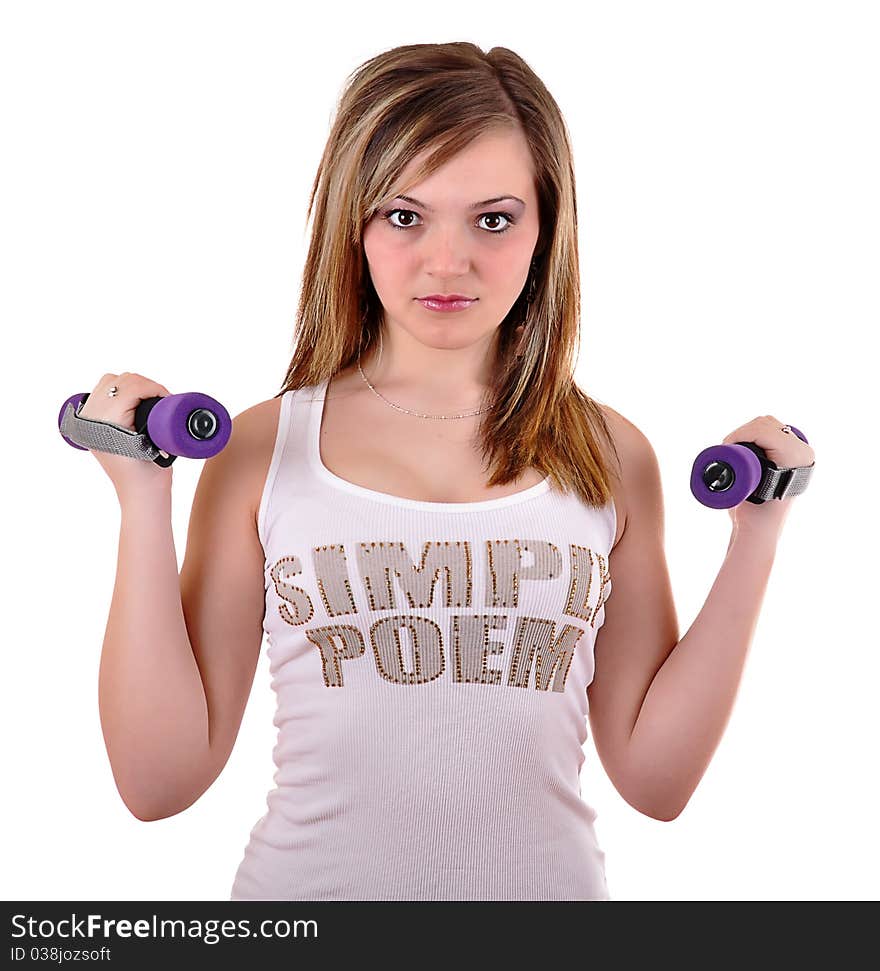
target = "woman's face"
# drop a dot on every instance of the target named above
(442, 244)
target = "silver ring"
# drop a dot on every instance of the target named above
(786, 428)
(113, 392)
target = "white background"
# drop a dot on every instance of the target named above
(155, 175)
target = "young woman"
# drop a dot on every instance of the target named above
(424, 521)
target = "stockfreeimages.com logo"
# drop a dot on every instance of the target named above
(209, 931)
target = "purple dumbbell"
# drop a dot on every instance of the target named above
(723, 476)
(191, 424)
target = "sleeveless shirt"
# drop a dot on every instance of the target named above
(430, 662)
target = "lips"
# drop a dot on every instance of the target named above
(445, 305)
(448, 297)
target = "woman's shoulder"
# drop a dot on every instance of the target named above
(635, 450)
(629, 442)
(257, 425)
(254, 432)
(632, 443)
(625, 433)
(262, 413)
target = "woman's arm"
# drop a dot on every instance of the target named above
(691, 697)
(150, 693)
(659, 702)
(181, 649)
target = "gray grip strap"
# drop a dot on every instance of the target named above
(106, 436)
(784, 483)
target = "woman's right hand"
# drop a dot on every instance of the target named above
(124, 472)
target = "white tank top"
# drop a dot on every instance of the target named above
(430, 662)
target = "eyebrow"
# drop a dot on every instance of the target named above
(476, 205)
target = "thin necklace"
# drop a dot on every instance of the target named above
(405, 410)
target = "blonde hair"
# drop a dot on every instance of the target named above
(441, 97)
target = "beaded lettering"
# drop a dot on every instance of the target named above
(426, 611)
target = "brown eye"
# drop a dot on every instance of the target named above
(404, 213)
(496, 215)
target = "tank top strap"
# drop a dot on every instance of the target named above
(290, 470)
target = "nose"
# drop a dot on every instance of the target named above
(446, 255)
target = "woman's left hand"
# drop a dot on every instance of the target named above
(786, 451)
